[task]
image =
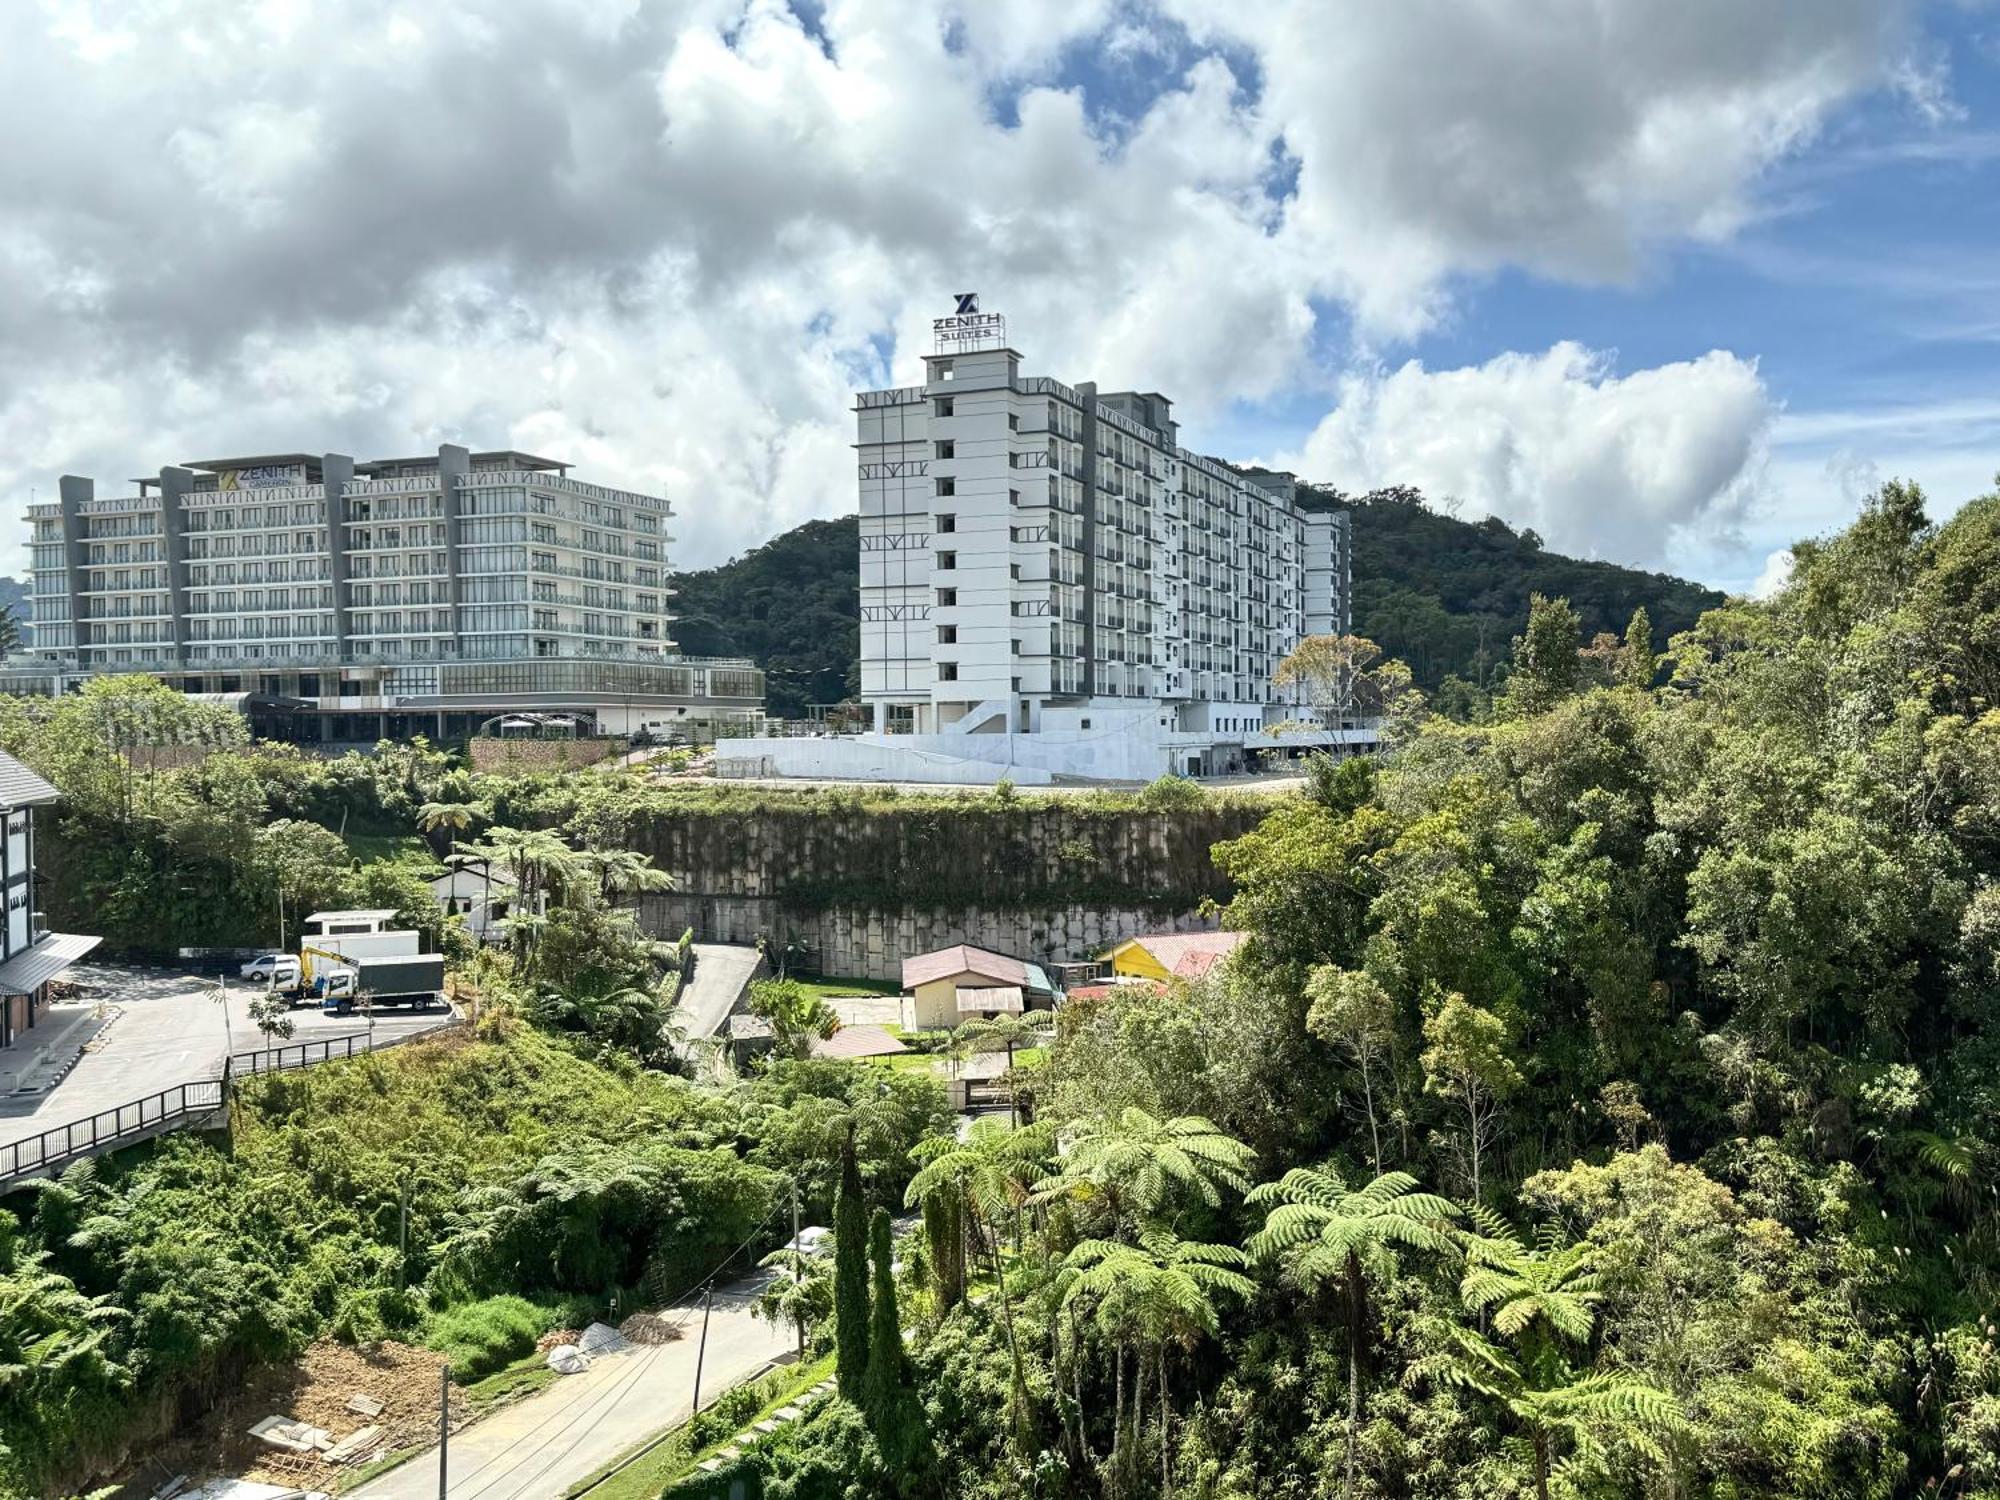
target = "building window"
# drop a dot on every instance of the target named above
(1013, 422)
(947, 522)
(1013, 497)
(942, 406)
(1085, 723)
(1017, 647)
(947, 486)
(947, 561)
(947, 450)
(947, 671)
(947, 598)
(947, 635)
(944, 369)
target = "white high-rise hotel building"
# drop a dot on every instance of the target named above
(1045, 559)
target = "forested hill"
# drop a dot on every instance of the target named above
(792, 605)
(1447, 596)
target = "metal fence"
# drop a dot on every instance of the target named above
(61, 1144)
(183, 1103)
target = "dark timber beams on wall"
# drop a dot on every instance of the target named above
(454, 464)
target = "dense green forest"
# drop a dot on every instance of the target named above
(1602, 1106)
(1440, 594)
(792, 605)
(1445, 595)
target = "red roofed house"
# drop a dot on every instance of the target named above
(955, 984)
(1172, 955)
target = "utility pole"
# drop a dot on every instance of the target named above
(402, 1231)
(444, 1423)
(798, 1276)
(700, 1353)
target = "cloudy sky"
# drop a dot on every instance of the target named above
(1672, 281)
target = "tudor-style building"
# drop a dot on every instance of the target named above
(29, 956)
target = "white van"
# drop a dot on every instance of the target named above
(279, 970)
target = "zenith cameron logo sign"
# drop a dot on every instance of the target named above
(968, 327)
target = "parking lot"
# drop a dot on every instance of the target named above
(166, 1026)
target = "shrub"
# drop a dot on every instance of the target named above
(1171, 794)
(481, 1337)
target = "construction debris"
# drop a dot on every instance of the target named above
(567, 1359)
(328, 1388)
(359, 1444)
(601, 1338)
(649, 1328)
(292, 1435)
(555, 1337)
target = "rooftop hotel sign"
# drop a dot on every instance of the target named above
(968, 328)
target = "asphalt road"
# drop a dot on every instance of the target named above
(538, 1447)
(721, 970)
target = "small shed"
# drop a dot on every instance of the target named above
(933, 984)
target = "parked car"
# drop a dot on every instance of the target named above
(280, 969)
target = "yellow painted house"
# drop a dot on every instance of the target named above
(1171, 955)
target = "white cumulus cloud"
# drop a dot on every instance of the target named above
(1601, 464)
(667, 240)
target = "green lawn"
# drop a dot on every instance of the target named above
(528, 1374)
(833, 989)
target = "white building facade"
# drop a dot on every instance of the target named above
(410, 595)
(1049, 581)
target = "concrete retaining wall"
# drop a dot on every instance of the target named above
(865, 944)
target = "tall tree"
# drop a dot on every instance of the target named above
(882, 1394)
(1136, 1163)
(1352, 1011)
(1640, 665)
(1468, 1064)
(1326, 1234)
(1152, 1297)
(850, 1277)
(991, 1173)
(1543, 1302)
(1546, 665)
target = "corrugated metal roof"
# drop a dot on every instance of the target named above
(30, 969)
(20, 787)
(1187, 954)
(858, 1041)
(962, 959)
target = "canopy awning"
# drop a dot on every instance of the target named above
(31, 968)
(1003, 1000)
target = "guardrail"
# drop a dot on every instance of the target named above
(62, 1144)
(286, 1056)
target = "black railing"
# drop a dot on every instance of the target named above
(171, 1108)
(61, 1144)
(288, 1055)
